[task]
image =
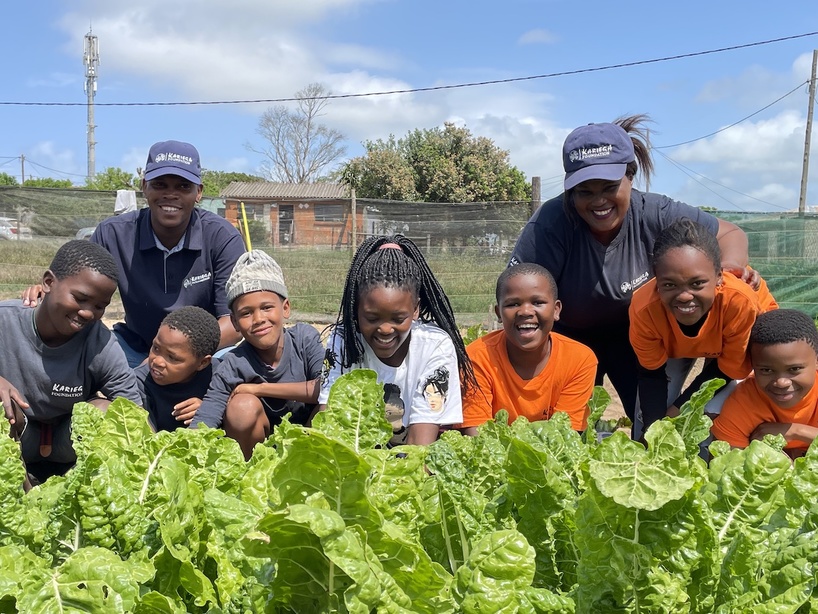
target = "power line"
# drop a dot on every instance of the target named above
(54, 170)
(423, 89)
(777, 100)
(684, 169)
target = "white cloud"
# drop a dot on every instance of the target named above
(44, 156)
(538, 36)
(56, 79)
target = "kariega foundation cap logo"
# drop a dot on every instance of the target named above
(173, 157)
(583, 153)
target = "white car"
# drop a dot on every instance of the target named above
(10, 230)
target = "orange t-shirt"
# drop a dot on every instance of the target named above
(656, 336)
(748, 406)
(565, 384)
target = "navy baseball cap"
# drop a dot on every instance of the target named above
(173, 158)
(596, 151)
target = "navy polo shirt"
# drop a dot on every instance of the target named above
(152, 285)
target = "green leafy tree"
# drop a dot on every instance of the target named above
(215, 181)
(47, 182)
(113, 178)
(446, 165)
(6, 179)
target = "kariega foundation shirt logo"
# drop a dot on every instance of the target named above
(61, 390)
(575, 155)
(627, 286)
(197, 279)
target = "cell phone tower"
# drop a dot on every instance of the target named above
(90, 58)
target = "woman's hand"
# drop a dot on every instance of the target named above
(746, 274)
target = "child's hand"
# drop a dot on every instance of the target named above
(184, 411)
(790, 432)
(244, 389)
(8, 396)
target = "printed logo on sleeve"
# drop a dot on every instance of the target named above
(627, 286)
(197, 279)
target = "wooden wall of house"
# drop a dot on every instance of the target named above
(303, 230)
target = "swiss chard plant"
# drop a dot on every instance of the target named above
(527, 517)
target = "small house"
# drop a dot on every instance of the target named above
(295, 214)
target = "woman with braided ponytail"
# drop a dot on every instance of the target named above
(396, 320)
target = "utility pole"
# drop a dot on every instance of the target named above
(90, 58)
(22, 169)
(802, 199)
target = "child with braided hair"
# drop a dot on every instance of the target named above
(395, 319)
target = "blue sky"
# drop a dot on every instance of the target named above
(157, 51)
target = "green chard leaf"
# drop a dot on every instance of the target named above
(356, 413)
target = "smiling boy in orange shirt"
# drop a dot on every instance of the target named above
(527, 369)
(780, 397)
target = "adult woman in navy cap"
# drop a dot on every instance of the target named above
(597, 238)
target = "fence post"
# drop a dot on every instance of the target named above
(353, 205)
(536, 195)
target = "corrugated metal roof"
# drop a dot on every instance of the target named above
(269, 189)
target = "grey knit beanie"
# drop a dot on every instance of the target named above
(255, 271)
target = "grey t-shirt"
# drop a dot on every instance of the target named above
(301, 361)
(595, 281)
(52, 379)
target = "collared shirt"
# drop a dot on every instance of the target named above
(152, 283)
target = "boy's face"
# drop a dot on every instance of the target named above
(784, 371)
(686, 282)
(72, 303)
(259, 317)
(528, 311)
(171, 359)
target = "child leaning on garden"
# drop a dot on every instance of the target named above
(525, 368)
(275, 371)
(396, 320)
(179, 368)
(61, 353)
(780, 397)
(690, 310)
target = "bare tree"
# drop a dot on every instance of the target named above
(298, 148)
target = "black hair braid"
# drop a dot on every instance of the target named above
(687, 233)
(404, 268)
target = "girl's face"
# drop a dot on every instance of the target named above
(686, 281)
(385, 317)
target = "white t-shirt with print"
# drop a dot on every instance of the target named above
(427, 382)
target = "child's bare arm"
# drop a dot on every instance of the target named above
(790, 431)
(303, 392)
